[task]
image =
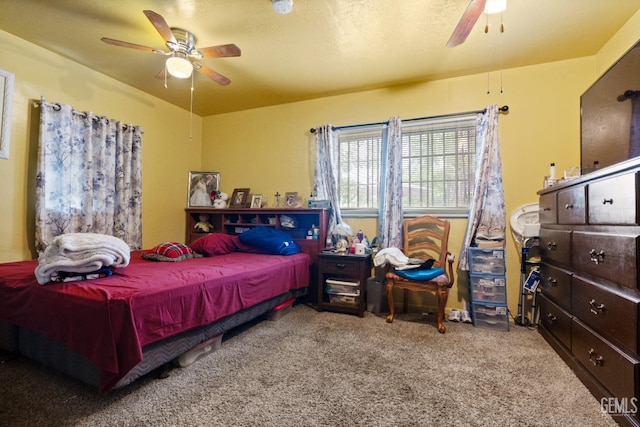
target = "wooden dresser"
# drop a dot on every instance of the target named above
(590, 301)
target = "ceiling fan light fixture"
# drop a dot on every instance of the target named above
(179, 67)
(495, 6)
(282, 7)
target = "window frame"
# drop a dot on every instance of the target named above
(409, 212)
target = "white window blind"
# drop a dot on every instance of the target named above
(438, 165)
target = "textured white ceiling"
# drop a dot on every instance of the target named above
(324, 47)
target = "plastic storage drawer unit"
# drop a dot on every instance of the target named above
(491, 316)
(487, 288)
(487, 261)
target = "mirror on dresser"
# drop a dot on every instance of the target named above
(607, 110)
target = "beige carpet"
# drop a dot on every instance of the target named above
(328, 369)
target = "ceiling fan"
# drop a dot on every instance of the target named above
(470, 17)
(181, 44)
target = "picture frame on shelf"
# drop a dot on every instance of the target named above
(203, 187)
(291, 199)
(239, 197)
(256, 201)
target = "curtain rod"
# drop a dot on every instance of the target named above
(504, 109)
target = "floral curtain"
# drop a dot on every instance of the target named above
(390, 214)
(487, 211)
(326, 175)
(89, 176)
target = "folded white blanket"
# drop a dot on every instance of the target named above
(397, 258)
(81, 253)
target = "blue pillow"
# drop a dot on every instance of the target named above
(420, 274)
(270, 240)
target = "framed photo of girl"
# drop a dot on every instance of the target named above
(239, 197)
(256, 201)
(203, 187)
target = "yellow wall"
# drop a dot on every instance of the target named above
(268, 149)
(167, 156)
(542, 126)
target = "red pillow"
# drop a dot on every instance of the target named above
(215, 244)
(170, 251)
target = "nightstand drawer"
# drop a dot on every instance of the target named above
(340, 265)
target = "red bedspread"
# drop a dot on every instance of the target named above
(110, 320)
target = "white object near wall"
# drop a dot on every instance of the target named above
(7, 81)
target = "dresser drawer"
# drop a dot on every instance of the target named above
(555, 320)
(572, 208)
(548, 209)
(610, 256)
(616, 370)
(613, 200)
(613, 315)
(555, 245)
(556, 284)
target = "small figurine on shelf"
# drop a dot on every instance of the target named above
(203, 225)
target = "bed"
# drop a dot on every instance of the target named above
(109, 331)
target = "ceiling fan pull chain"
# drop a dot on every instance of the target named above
(191, 111)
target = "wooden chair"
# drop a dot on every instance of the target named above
(425, 237)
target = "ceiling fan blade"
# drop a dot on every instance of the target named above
(221, 51)
(216, 77)
(161, 25)
(466, 23)
(130, 45)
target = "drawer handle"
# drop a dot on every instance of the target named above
(552, 281)
(568, 206)
(341, 265)
(605, 201)
(551, 318)
(546, 209)
(596, 257)
(596, 360)
(552, 246)
(595, 307)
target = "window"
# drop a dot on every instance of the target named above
(438, 165)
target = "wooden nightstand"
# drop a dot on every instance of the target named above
(347, 276)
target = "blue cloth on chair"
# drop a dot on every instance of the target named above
(420, 274)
